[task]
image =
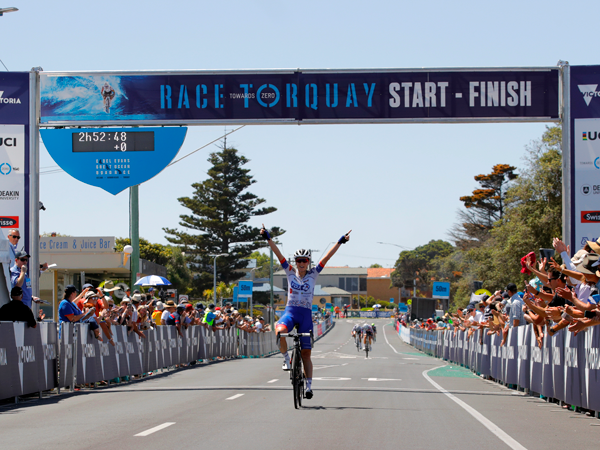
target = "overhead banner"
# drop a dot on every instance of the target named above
(14, 154)
(303, 96)
(585, 154)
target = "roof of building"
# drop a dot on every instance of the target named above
(266, 287)
(380, 272)
(335, 291)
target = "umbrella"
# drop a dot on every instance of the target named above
(152, 280)
(377, 305)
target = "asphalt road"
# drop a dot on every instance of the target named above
(397, 398)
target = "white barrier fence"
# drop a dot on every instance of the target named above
(30, 358)
(566, 368)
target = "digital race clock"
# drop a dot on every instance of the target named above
(113, 141)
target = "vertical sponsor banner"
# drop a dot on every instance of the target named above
(14, 154)
(134, 351)
(558, 362)
(107, 361)
(87, 355)
(548, 367)
(510, 352)
(585, 154)
(65, 375)
(572, 382)
(10, 367)
(592, 368)
(536, 365)
(447, 344)
(167, 340)
(523, 342)
(49, 341)
(121, 350)
(202, 353)
(495, 360)
(485, 365)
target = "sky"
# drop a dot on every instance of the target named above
(395, 183)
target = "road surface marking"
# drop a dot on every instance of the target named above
(381, 379)
(273, 381)
(331, 379)
(410, 358)
(388, 343)
(155, 429)
(234, 397)
(477, 415)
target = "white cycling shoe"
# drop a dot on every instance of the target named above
(286, 366)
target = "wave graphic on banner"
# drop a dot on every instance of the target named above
(80, 98)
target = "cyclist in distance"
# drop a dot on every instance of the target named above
(108, 93)
(367, 332)
(374, 332)
(301, 286)
(356, 333)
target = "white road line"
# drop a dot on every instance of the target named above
(388, 343)
(273, 381)
(155, 429)
(234, 397)
(500, 434)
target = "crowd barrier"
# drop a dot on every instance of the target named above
(566, 368)
(30, 358)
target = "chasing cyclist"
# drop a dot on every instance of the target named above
(301, 284)
(356, 334)
(374, 332)
(367, 331)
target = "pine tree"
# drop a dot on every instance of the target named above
(220, 209)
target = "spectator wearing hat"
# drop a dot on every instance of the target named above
(170, 307)
(174, 319)
(16, 311)
(69, 312)
(158, 312)
(13, 240)
(19, 277)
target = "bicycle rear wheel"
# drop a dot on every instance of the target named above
(366, 349)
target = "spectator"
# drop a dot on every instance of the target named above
(157, 314)
(170, 307)
(19, 277)
(16, 311)
(174, 319)
(13, 241)
(69, 312)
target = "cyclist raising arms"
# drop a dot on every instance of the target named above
(298, 310)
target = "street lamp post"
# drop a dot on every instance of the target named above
(215, 275)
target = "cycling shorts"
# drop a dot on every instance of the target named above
(302, 317)
(369, 333)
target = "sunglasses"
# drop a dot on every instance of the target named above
(13, 236)
(23, 259)
(302, 260)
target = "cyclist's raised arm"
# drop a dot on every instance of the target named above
(345, 238)
(267, 237)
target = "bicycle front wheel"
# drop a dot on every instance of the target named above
(297, 378)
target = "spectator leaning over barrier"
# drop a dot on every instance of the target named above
(16, 311)
(13, 240)
(209, 316)
(170, 307)
(69, 312)
(158, 312)
(174, 319)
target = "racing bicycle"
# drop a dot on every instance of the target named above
(357, 338)
(297, 371)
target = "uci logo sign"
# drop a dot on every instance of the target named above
(8, 142)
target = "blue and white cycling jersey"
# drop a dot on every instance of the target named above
(300, 291)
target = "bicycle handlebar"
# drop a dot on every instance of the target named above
(294, 334)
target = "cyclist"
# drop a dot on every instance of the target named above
(301, 282)
(108, 93)
(374, 332)
(367, 332)
(356, 334)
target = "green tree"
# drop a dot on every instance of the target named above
(178, 272)
(419, 263)
(532, 217)
(375, 266)
(157, 253)
(484, 207)
(263, 261)
(220, 209)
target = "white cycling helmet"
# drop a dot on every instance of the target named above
(302, 253)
